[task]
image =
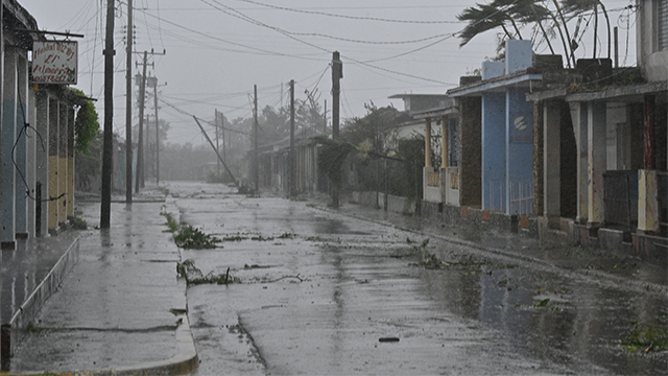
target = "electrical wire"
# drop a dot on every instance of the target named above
(347, 17)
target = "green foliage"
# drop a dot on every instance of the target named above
(194, 275)
(189, 237)
(171, 222)
(647, 338)
(77, 223)
(332, 157)
(86, 125)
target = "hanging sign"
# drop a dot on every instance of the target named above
(54, 62)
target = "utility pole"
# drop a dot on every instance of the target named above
(217, 122)
(154, 82)
(291, 155)
(107, 161)
(337, 74)
(140, 141)
(324, 129)
(256, 158)
(140, 134)
(222, 134)
(128, 108)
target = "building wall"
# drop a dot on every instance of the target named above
(652, 49)
(470, 188)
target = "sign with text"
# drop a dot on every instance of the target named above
(54, 62)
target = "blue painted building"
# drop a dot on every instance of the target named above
(506, 129)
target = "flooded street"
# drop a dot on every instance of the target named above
(311, 291)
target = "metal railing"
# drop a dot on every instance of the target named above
(521, 198)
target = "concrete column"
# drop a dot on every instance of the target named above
(427, 142)
(648, 204)
(552, 155)
(31, 173)
(70, 161)
(62, 162)
(42, 160)
(648, 132)
(8, 183)
(444, 142)
(470, 182)
(579, 117)
(596, 128)
(21, 150)
(54, 190)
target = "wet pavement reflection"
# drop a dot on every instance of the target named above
(322, 293)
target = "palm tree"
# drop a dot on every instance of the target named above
(481, 18)
(574, 8)
(484, 17)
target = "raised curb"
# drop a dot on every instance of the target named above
(185, 361)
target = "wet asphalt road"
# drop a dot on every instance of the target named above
(315, 292)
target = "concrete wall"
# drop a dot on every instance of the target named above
(494, 151)
(652, 61)
(470, 177)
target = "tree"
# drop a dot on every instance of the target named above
(86, 125)
(551, 21)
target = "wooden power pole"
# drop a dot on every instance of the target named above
(139, 182)
(291, 155)
(256, 156)
(337, 74)
(128, 108)
(107, 161)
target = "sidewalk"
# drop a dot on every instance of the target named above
(122, 310)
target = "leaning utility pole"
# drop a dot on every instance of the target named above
(337, 74)
(107, 161)
(128, 108)
(291, 155)
(140, 133)
(256, 158)
(216, 122)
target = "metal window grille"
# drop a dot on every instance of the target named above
(662, 20)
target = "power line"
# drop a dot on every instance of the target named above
(347, 17)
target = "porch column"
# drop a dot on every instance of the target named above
(8, 183)
(53, 190)
(62, 162)
(444, 142)
(648, 204)
(552, 158)
(648, 132)
(33, 144)
(42, 158)
(21, 150)
(579, 116)
(70, 161)
(596, 133)
(427, 143)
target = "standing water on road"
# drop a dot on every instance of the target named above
(310, 291)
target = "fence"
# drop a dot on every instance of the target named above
(521, 198)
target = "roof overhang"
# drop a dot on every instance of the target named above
(496, 84)
(630, 93)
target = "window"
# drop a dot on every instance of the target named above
(453, 142)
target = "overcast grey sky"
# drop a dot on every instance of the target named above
(216, 50)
